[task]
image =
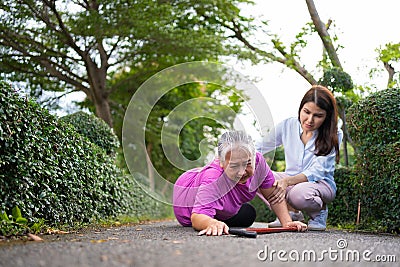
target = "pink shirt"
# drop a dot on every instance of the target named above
(209, 191)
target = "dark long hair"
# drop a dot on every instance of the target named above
(327, 133)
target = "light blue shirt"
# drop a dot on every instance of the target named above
(301, 158)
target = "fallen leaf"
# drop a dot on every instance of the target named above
(34, 237)
(139, 229)
(104, 258)
(56, 232)
(98, 241)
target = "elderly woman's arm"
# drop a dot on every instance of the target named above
(281, 211)
(207, 225)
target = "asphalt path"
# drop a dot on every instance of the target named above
(169, 244)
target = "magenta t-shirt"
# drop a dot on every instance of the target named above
(209, 191)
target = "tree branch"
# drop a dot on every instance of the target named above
(323, 34)
(287, 59)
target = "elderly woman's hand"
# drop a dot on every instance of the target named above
(301, 227)
(215, 227)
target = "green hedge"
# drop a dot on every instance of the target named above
(95, 129)
(343, 209)
(374, 124)
(51, 172)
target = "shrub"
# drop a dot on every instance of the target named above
(95, 129)
(343, 209)
(47, 168)
(51, 172)
(374, 124)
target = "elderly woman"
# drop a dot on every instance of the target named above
(213, 198)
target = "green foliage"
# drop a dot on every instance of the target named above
(264, 214)
(52, 173)
(389, 55)
(336, 80)
(95, 129)
(47, 168)
(12, 224)
(375, 121)
(276, 159)
(374, 124)
(343, 210)
(194, 131)
(108, 33)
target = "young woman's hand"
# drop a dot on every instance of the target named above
(279, 192)
(215, 227)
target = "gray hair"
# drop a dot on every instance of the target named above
(232, 140)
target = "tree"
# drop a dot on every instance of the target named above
(172, 121)
(390, 56)
(78, 45)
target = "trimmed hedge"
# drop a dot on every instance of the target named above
(51, 172)
(374, 124)
(95, 129)
(343, 209)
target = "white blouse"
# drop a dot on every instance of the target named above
(300, 158)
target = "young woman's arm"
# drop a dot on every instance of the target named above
(281, 185)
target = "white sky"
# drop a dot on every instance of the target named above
(361, 26)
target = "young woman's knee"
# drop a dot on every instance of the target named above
(304, 201)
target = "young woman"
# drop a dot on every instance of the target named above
(213, 198)
(311, 143)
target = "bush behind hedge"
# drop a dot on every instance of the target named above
(51, 172)
(374, 124)
(95, 129)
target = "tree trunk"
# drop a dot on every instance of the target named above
(391, 72)
(323, 33)
(103, 110)
(331, 51)
(342, 114)
(99, 95)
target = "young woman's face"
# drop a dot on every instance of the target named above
(238, 165)
(311, 117)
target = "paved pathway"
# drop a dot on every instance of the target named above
(168, 244)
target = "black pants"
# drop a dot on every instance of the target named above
(244, 218)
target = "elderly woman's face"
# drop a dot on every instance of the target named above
(238, 165)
